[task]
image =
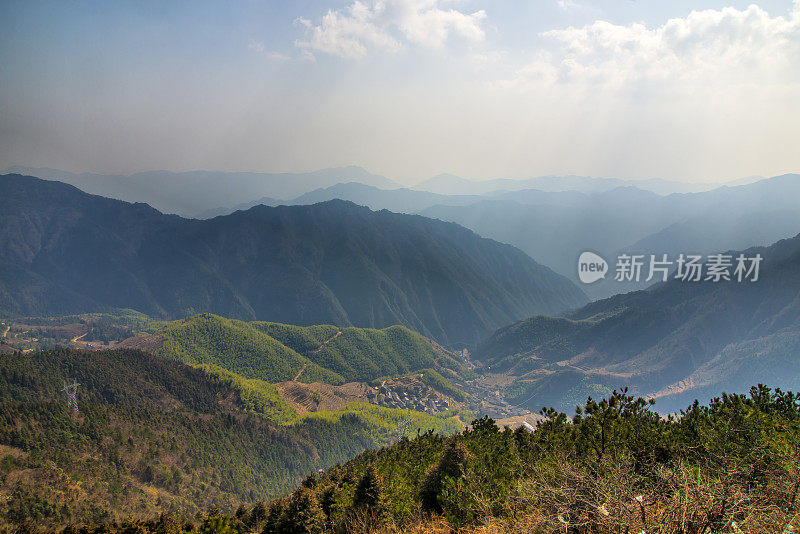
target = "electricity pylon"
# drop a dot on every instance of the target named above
(403, 428)
(72, 394)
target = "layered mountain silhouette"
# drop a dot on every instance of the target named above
(450, 184)
(208, 193)
(65, 251)
(676, 341)
(555, 228)
(401, 200)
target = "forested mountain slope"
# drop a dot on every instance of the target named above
(63, 251)
(674, 341)
(615, 466)
(277, 352)
(152, 435)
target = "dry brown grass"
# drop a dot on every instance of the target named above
(614, 499)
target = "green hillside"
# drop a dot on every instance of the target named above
(238, 347)
(277, 352)
(153, 435)
(361, 354)
(256, 396)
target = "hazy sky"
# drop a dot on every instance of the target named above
(407, 88)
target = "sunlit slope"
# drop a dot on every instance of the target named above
(276, 352)
(154, 435)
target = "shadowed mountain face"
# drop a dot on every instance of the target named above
(63, 251)
(675, 341)
(555, 228)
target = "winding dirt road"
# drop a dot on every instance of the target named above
(337, 334)
(300, 372)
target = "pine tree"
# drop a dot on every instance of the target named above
(452, 464)
(303, 515)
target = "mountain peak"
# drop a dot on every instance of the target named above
(330, 263)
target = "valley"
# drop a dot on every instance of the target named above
(672, 342)
(227, 361)
(428, 392)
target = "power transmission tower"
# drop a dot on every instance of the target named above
(72, 394)
(402, 431)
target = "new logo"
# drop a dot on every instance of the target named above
(591, 267)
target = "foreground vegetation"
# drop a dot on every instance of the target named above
(154, 435)
(732, 466)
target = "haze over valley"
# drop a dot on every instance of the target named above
(353, 254)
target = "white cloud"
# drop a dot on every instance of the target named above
(713, 46)
(385, 24)
(277, 56)
(486, 58)
(260, 48)
(566, 5)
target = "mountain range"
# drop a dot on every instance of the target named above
(556, 228)
(65, 251)
(675, 341)
(450, 184)
(402, 200)
(205, 194)
(194, 192)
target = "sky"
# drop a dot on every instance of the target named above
(691, 91)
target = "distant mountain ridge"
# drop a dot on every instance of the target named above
(64, 251)
(193, 192)
(449, 184)
(216, 212)
(401, 200)
(207, 194)
(555, 228)
(675, 341)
